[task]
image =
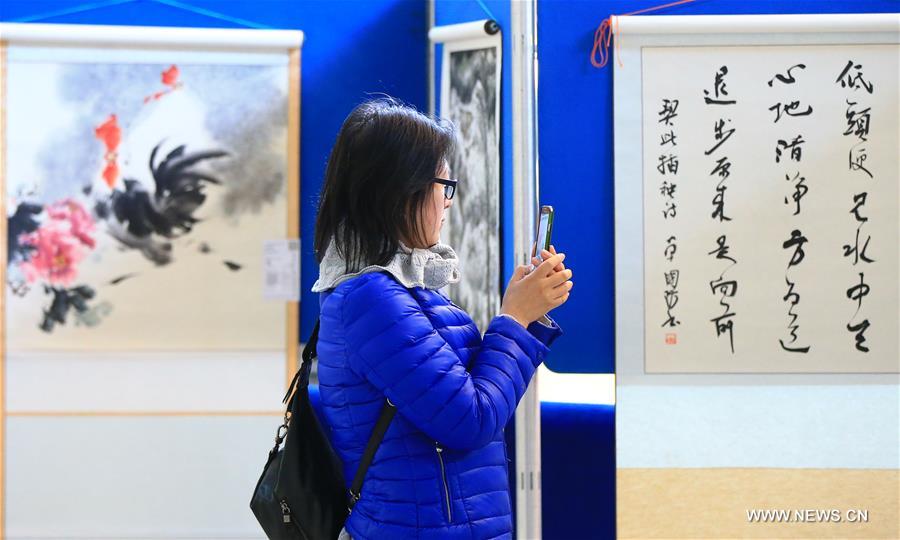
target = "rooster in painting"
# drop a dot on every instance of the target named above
(137, 217)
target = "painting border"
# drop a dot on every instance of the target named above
(292, 330)
(3, 255)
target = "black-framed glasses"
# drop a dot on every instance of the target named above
(449, 186)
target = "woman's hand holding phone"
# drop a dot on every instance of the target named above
(530, 294)
(536, 261)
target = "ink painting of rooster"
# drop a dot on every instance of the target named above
(138, 200)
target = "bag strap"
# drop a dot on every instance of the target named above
(310, 352)
(387, 414)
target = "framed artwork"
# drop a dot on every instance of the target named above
(470, 98)
(150, 179)
(756, 206)
(783, 259)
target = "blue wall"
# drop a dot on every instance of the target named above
(352, 48)
(576, 151)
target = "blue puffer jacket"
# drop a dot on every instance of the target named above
(441, 471)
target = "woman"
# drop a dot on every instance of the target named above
(389, 332)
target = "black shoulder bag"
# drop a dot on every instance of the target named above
(300, 494)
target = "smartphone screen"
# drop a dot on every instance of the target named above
(543, 236)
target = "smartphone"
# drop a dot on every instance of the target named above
(544, 228)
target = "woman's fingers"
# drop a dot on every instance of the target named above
(561, 266)
(563, 289)
(561, 280)
(545, 253)
(546, 267)
(558, 278)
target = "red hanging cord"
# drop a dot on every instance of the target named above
(603, 34)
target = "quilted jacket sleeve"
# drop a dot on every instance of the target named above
(545, 329)
(393, 345)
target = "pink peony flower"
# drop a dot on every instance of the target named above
(56, 254)
(81, 224)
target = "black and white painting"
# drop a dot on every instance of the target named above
(764, 183)
(470, 96)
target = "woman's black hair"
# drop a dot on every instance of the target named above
(378, 178)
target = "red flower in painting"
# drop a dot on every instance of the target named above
(170, 76)
(111, 173)
(111, 135)
(59, 244)
(80, 223)
(55, 256)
